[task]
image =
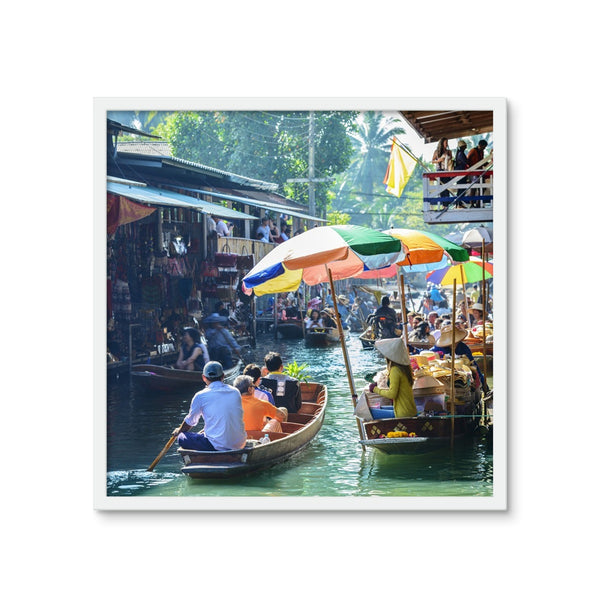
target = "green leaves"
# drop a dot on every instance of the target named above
(293, 369)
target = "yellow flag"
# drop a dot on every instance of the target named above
(399, 169)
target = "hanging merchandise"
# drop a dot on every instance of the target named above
(245, 260)
(225, 258)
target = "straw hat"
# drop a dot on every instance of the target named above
(214, 318)
(477, 306)
(445, 338)
(427, 386)
(343, 299)
(394, 349)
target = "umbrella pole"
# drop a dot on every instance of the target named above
(452, 363)
(345, 352)
(400, 279)
(483, 303)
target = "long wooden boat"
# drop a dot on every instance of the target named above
(290, 329)
(298, 431)
(322, 337)
(156, 378)
(429, 432)
(366, 339)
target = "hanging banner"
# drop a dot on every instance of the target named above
(120, 211)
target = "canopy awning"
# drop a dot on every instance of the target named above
(158, 196)
(270, 206)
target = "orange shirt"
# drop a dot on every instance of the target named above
(255, 411)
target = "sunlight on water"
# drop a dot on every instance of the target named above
(334, 463)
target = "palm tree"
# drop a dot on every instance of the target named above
(362, 183)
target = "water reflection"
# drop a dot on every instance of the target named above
(334, 464)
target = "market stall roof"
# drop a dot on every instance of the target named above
(270, 206)
(432, 125)
(153, 195)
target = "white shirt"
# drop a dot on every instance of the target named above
(222, 230)
(220, 405)
(263, 231)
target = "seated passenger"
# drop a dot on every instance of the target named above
(258, 414)
(422, 333)
(313, 321)
(261, 392)
(285, 389)
(327, 319)
(219, 406)
(193, 354)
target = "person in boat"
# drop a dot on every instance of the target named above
(444, 346)
(344, 310)
(384, 319)
(313, 321)
(221, 309)
(327, 319)
(400, 374)
(193, 354)
(221, 344)
(285, 389)
(422, 333)
(476, 315)
(259, 415)
(289, 311)
(260, 391)
(220, 406)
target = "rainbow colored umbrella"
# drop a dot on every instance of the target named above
(424, 251)
(471, 271)
(345, 250)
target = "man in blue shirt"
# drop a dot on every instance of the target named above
(220, 406)
(221, 344)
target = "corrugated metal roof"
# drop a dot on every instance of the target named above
(160, 197)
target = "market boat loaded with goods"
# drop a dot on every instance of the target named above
(439, 421)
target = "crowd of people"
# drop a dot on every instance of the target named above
(444, 160)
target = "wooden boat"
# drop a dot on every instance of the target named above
(156, 378)
(326, 336)
(366, 339)
(290, 329)
(431, 431)
(298, 431)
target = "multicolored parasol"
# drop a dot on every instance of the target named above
(424, 251)
(471, 271)
(346, 250)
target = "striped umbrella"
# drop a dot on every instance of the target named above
(345, 250)
(469, 272)
(424, 251)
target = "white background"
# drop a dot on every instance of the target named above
(58, 56)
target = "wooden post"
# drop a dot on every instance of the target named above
(400, 279)
(483, 303)
(275, 316)
(452, 362)
(345, 353)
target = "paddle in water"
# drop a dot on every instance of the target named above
(165, 449)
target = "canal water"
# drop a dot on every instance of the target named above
(334, 464)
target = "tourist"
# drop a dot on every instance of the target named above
(193, 354)
(285, 389)
(313, 320)
(222, 229)
(263, 231)
(400, 374)
(436, 329)
(442, 159)
(221, 344)
(385, 319)
(476, 315)
(422, 334)
(260, 391)
(220, 407)
(259, 415)
(475, 156)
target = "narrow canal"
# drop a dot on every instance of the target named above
(333, 464)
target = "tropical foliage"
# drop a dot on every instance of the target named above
(270, 146)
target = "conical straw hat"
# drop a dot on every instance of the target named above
(445, 338)
(394, 349)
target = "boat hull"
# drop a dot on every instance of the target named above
(299, 431)
(290, 329)
(155, 378)
(318, 339)
(431, 432)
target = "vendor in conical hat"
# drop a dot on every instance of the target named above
(401, 378)
(444, 346)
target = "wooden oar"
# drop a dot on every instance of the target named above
(165, 449)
